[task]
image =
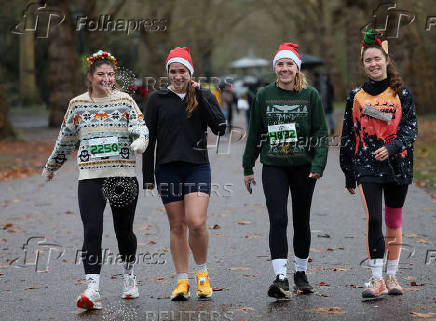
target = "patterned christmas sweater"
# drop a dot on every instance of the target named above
(375, 116)
(287, 128)
(103, 129)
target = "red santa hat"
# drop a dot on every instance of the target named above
(288, 50)
(181, 55)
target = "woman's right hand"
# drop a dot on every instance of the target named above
(351, 191)
(247, 180)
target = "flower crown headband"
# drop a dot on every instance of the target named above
(102, 55)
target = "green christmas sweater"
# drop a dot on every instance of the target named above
(287, 128)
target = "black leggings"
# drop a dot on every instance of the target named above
(92, 203)
(394, 196)
(276, 184)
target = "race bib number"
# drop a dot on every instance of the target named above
(104, 147)
(283, 133)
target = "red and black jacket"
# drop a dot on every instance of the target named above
(363, 134)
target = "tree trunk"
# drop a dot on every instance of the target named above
(64, 78)
(356, 18)
(328, 47)
(6, 130)
(28, 92)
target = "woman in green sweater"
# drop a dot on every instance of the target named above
(288, 130)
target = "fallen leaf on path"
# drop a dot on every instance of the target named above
(214, 227)
(328, 310)
(244, 309)
(33, 287)
(151, 243)
(322, 283)
(411, 235)
(250, 275)
(413, 283)
(423, 315)
(324, 235)
(239, 268)
(244, 222)
(251, 236)
(424, 241)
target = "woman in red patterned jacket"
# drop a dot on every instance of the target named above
(377, 153)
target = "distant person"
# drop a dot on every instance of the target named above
(228, 101)
(284, 113)
(378, 134)
(109, 129)
(327, 93)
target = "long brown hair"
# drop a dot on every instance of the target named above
(395, 80)
(191, 100)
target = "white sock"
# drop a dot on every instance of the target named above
(181, 276)
(376, 266)
(201, 267)
(392, 267)
(280, 266)
(300, 264)
(93, 281)
(128, 268)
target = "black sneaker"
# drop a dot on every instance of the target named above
(301, 283)
(279, 289)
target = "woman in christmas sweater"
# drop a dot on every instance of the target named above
(288, 129)
(178, 117)
(377, 154)
(108, 128)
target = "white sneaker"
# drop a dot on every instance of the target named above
(89, 300)
(130, 289)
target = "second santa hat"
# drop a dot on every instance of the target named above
(288, 50)
(181, 55)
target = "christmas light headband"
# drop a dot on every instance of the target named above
(102, 55)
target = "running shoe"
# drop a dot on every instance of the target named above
(89, 300)
(279, 289)
(374, 288)
(204, 290)
(130, 289)
(393, 286)
(301, 283)
(181, 292)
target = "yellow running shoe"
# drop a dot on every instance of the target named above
(181, 292)
(204, 290)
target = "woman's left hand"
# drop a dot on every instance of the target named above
(195, 84)
(315, 175)
(381, 154)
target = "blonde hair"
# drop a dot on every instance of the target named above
(300, 81)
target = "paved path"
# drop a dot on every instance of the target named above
(239, 255)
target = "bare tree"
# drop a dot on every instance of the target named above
(64, 77)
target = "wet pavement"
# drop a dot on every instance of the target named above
(41, 220)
